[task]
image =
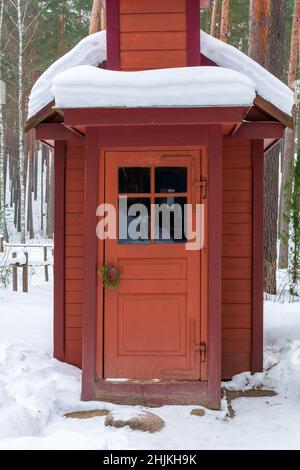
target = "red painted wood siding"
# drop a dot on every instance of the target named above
(74, 251)
(153, 34)
(237, 258)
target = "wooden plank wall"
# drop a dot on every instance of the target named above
(153, 34)
(237, 258)
(74, 251)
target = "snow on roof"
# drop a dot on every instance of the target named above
(86, 87)
(267, 85)
(91, 52)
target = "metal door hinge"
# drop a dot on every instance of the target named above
(201, 186)
(202, 348)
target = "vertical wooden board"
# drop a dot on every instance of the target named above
(237, 243)
(74, 251)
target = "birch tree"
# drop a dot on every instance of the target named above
(224, 20)
(2, 179)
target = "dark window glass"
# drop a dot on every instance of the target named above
(171, 180)
(170, 220)
(134, 220)
(134, 180)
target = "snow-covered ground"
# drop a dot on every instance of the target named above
(36, 391)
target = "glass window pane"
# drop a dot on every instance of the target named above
(170, 220)
(134, 180)
(134, 220)
(171, 180)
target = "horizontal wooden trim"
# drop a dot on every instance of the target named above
(153, 22)
(74, 297)
(56, 132)
(74, 358)
(73, 321)
(153, 394)
(73, 310)
(144, 6)
(237, 196)
(153, 59)
(235, 309)
(159, 136)
(73, 345)
(237, 218)
(258, 130)
(237, 273)
(240, 285)
(152, 41)
(108, 117)
(237, 359)
(236, 321)
(236, 297)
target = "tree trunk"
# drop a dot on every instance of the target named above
(20, 120)
(294, 45)
(288, 155)
(224, 20)
(2, 166)
(95, 24)
(271, 164)
(214, 18)
(259, 31)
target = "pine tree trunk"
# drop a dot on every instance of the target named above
(288, 156)
(271, 164)
(95, 24)
(259, 31)
(224, 20)
(214, 18)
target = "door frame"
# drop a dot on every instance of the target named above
(98, 139)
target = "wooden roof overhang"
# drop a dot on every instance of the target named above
(128, 123)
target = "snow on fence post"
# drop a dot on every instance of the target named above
(15, 274)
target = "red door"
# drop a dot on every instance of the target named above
(152, 319)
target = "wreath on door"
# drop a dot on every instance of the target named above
(110, 277)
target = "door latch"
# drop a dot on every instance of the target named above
(202, 349)
(201, 186)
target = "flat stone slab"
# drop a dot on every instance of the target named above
(86, 414)
(198, 412)
(137, 420)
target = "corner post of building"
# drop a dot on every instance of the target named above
(59, 249)
(258, 256)
(215, 154)
(90, 263)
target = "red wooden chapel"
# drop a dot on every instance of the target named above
(179, 321)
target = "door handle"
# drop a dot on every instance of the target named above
(110, 276)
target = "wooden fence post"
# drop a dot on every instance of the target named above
(1, 244)
(46, 267)
(25, 275)
(15, 274)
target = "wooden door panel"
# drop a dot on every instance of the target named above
(153, 269)
(143, 314)
(152, 320)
